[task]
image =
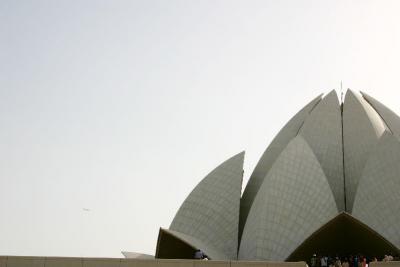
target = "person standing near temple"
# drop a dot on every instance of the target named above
(355, 261)
(313, 262)
(324, 261)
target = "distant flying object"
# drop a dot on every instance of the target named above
(85, 209)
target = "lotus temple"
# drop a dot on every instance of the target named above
(328, 184)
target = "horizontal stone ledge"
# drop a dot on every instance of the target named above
(37, 261)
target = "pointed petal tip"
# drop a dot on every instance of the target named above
(350, 93)
(239, 155)
(333, 91)
(332, 95)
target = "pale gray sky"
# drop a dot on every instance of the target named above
(122, 107)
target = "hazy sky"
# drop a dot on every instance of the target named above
(122, 107)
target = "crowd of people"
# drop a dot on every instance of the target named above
(357, 260)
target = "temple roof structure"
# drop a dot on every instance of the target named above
(333, 167)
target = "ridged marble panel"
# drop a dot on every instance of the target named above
(389, 117)
(294, 200)
(322, 130)
(210, 213)
(377, 201)
(361, 131)
(288, 132)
